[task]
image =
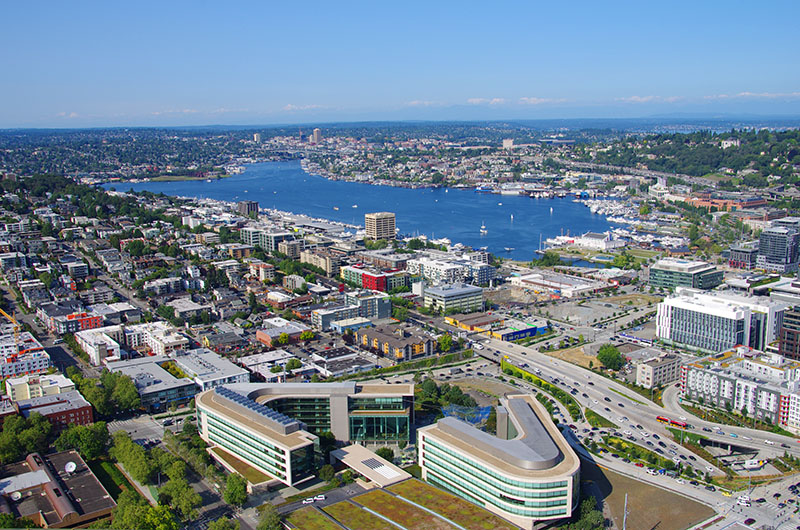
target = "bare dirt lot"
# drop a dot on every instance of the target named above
(649, 507)
(575, 356)
(638, 299)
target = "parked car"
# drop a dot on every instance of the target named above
(308, 501)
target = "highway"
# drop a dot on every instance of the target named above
(639, 409)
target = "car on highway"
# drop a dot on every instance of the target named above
(319, 497)
(733, 435)
(639, 464)
(309, 500)
(607, 399)
(706, 429)
(620, 405)
(749, 521)
(711, 488)
(769, 442)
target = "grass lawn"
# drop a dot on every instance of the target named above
(414, 470)
(356, 518)
(308, 518)
(252, 475)
(110, 477)
(596, 420)
(406, 515)
(453, 508)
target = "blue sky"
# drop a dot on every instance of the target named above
(75, 64)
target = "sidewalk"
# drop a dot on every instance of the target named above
(142, 489)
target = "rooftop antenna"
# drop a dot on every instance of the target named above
(70, 467)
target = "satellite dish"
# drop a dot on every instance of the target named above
(16, 496)
(70, 467)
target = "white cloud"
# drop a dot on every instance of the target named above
(497, 101)
(175, 111)
(650, 99)
(421, 103)
(757, 95)
(477, 101)
(67, 115)
(540, 101)
(292, 108)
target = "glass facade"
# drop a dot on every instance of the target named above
(314, 412)
(705, 331)
(388, 403)
(453, 471)
(378, 428)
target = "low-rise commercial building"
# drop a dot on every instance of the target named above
(669, 273)
(157, 387)
(660, 370)
(37, 385)
(63, 409)
(42, 489)
(461, 298)
(208, 369)
(527, 473)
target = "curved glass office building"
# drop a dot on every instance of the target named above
(527, 473)
(274, 426)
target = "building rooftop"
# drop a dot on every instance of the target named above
(205, 365)
(147, 374)
(682, 265)
(453, 289)
(40, 488)
(52, 404)
(538, 450)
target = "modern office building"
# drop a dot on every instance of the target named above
(528, 473)
(789, 335)
(778, 249)
(717, 322)
(380, 225)
(672, 272)
(744, 256)
(459, 298)
(263, 238)
(274, 427)
(316, 136)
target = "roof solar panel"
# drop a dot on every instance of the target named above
(253, 406)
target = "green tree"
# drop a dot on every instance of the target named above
(269, 520)
(9, 521)
(235, 490)
(282, 339)
(610, 357)
(445, 343)
(223, 524)
(307, 335)
(386, 453)
(130, 511)
(160, 518)
(293, 364)
(327, 473)
(179, 495)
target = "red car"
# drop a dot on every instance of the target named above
(639, 464)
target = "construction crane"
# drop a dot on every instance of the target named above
(17, 327)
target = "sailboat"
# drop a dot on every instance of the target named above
(551, 209)
(336, 208)
(483, 228)
(512, 216)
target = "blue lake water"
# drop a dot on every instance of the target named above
(511, 221)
